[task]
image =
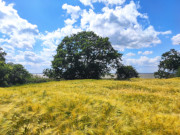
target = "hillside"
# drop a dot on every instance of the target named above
(138, 106)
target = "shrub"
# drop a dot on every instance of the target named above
(18, 74)
(12, 74)
(162, 74)
(126, 72)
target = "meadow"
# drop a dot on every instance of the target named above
(92, 107)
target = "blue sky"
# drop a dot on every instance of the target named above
(142, 30)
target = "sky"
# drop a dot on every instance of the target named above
(142, 30)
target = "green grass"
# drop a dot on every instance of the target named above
(92, 107)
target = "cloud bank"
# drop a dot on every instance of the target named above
(122, 23)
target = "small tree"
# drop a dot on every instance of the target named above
(11, 74)
(126, 72)
(18, 74)
(82, 56)
(169, 64)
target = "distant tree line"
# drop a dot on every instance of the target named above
(80, 56)
(85, 55)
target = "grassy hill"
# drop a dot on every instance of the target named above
(138, 106)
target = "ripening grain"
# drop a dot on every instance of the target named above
(93, 107)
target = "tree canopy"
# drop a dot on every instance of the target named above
(169, 64)
(83, 56)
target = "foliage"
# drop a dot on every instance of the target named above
(126, 72)
(169, 64)
(4, 74)
(99, 107)
(162, 74)
(37, 79)
(178, 72)
(12, 74)
(2, 55)
(18, 74)
(82, 56)
(49, 73)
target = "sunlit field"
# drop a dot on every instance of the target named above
(92, 107)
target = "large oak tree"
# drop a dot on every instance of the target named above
(83, 56)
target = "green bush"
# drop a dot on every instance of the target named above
(12, 74)
(126, 72)
(18, 74)
(162, 74)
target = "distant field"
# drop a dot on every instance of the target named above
(141, 75)
(146, 75)
(92, 107)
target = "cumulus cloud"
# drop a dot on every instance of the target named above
(145, 53)
(107, 2)
(121, 26)
(19, 32)
(53, 38)
(19, 37)
(176, 39)
(119, 23)
(50, 40)
(130, 54)
(144, 63)
(72, 10)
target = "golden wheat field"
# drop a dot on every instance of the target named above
(92, 107)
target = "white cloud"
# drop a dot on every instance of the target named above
(121, 26)
(87, 2)
(18, 31)
(143, 60)
(144, 63)
(176, 39)
(130, 54)
(145, 53)
(52, 39)
(107, 2)
(72, 10)
(19, 37)
(166, 32)
(70, 21)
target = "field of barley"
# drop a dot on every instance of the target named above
(92, 107)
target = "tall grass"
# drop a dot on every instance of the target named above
(92, 107)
